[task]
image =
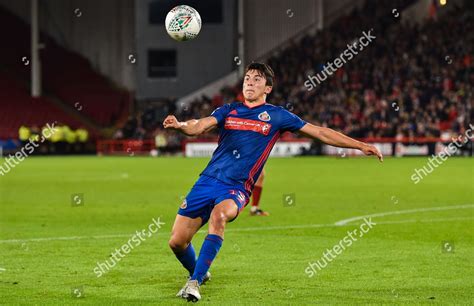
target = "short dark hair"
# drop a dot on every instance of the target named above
(264, 70)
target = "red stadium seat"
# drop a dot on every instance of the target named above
(65, 74)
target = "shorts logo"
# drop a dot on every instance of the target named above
(264, 116)
(184, 204)
(240, 196)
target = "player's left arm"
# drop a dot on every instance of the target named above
(334, 138)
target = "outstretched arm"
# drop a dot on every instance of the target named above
(337, 139)
(191, 127)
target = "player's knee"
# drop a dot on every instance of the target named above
(177, 244)
(218, 219)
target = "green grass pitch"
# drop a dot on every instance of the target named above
(425, 256)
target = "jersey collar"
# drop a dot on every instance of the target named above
(254, 106)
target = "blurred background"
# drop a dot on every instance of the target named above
(105, 73)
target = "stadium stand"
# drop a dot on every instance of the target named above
(19, 108)
(67, 77)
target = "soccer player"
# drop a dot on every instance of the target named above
(255, 209)
(247, 133)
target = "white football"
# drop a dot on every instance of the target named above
(183, 23)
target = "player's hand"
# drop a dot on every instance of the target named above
(171, 122)
(369, 149)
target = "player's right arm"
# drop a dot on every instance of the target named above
(191, 127)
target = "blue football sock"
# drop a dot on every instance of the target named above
(188, 258)
(210, 248)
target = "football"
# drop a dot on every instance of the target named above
(183, 23)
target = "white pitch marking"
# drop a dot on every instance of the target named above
(401, 212)
(270, 228)
(334, 225)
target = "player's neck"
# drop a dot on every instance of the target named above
(255, 103)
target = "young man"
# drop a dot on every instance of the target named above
(247, 133)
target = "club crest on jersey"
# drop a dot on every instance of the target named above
(264, 116)
(184, 204)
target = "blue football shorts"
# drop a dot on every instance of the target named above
(206, 193)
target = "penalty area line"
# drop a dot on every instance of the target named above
(402, 212)
(272, 228)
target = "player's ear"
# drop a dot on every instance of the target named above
(268, 89)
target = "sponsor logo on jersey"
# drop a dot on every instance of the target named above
(264, 116)
(232, 123)
(184, 204)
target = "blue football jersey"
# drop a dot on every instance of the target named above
(246, 137)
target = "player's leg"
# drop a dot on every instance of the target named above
(182, 233)
(184, 229)
(256, 194)
(192, 214)
(227, 210)
(222, 213)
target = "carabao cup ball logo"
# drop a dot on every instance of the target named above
(183, 23)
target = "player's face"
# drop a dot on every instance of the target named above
(254, 88)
